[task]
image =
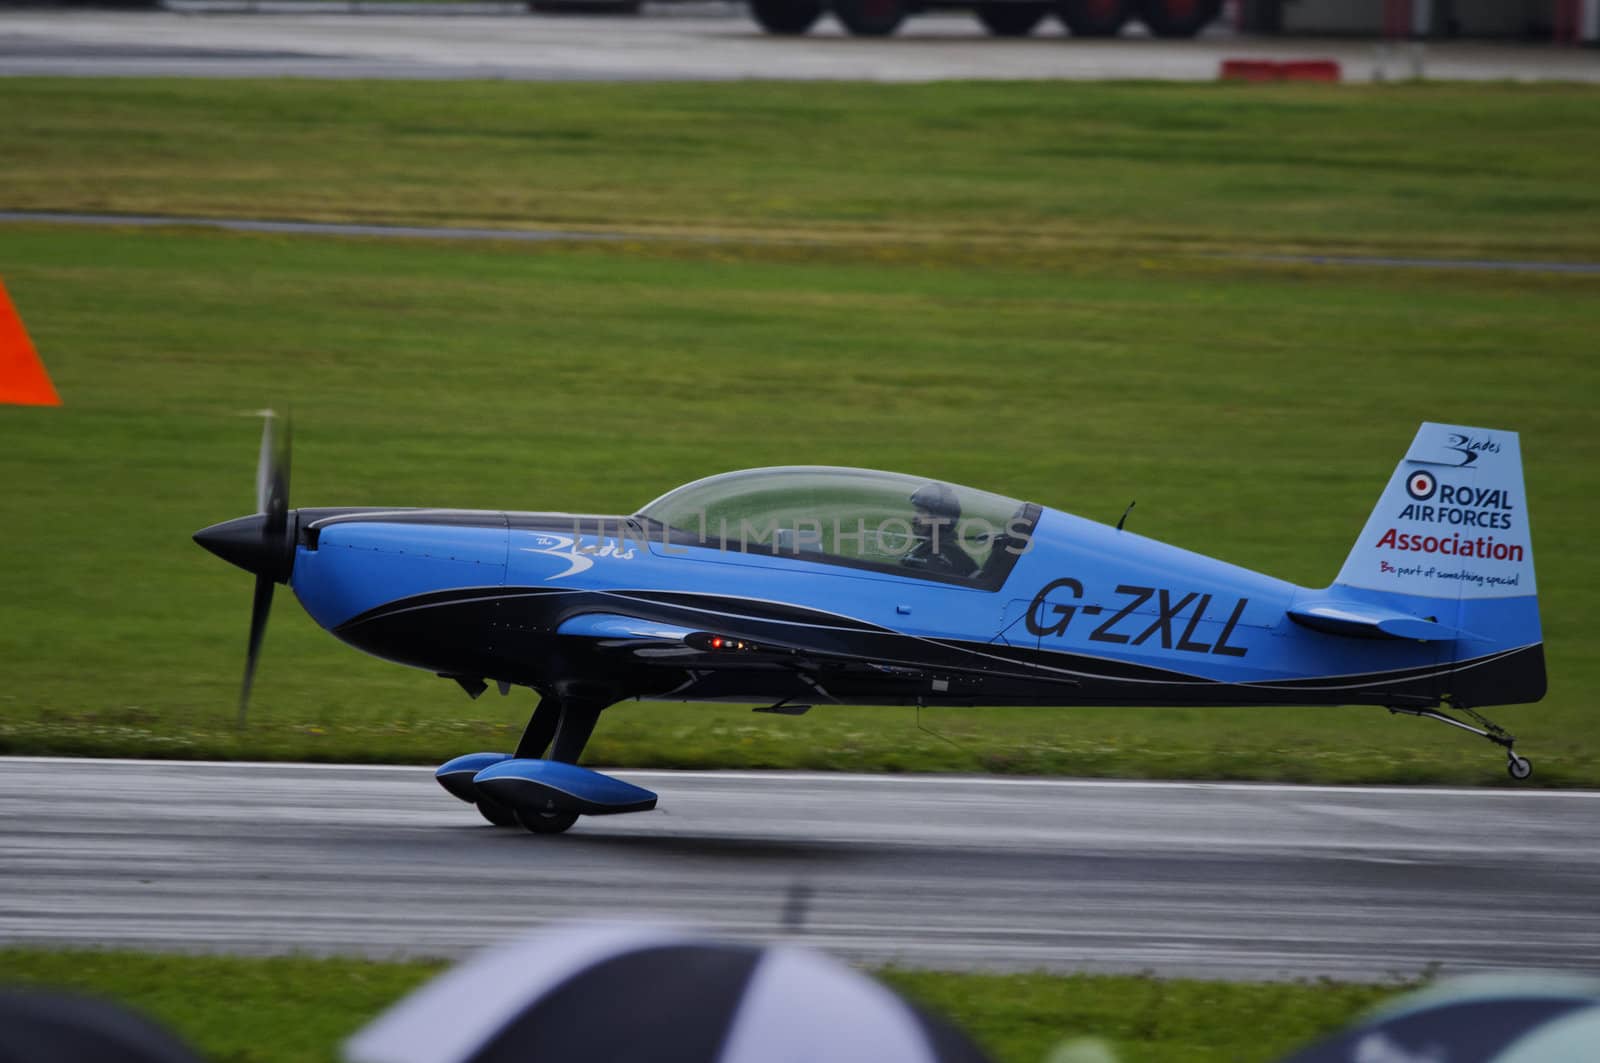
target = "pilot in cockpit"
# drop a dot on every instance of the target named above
(937, 547)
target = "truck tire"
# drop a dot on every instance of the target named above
(584, 7)
(1094, 18)
(870, 18)
(1179, 18)
(786, 18)
(1017, 18)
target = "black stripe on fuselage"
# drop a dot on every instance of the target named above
(512, 614)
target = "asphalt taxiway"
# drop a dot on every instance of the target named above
(1215, 880)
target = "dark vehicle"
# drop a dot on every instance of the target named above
(1003, 18)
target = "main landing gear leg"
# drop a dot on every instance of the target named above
(541, 786)
(541, 729)
(564, 726)
(536, 738)
(572, 734)
(1518, 768)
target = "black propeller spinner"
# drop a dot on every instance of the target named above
(262, 543)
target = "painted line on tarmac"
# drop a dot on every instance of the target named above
(855, 778)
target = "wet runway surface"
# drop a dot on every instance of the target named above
(1230, 881)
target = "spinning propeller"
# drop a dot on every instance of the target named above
(262, 543)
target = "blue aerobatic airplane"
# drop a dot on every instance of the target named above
(790, 586)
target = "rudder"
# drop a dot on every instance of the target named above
(1450, 539)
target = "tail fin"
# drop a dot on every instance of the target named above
(1450, 540)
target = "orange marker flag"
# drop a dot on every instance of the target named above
(23, 381)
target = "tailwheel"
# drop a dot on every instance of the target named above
(496, 813)
(546, 822)
(1518, 768)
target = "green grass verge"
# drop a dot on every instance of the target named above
(1445, 169)
(1254, 411)
(266, 1010)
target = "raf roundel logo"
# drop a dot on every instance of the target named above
(1421, 486)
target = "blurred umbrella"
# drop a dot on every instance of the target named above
(639, 993)
(49, 1027)
(1514, 1018)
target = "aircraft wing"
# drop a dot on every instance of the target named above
(650, 640)
(671, 645)
(619, 626)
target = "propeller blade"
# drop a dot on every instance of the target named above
(258, 627)
(260, 543)
(277, 507)
(264, 462)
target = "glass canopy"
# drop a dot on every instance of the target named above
(885, 520)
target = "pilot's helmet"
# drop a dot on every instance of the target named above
(937, 500)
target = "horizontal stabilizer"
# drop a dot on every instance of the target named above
(783, 708)
(1372, 622)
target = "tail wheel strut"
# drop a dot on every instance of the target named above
(1518, 768)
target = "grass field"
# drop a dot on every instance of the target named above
(1414, 169)
(994, 289)
(295, 1009)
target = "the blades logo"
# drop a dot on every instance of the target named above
(578, 555)
(1421, 486)
(1470, 448)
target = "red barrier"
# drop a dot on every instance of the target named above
(1310, 70)
(1249, 70)
(1272, 70)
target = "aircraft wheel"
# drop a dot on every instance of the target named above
(870, 18)
(1013, 19)
(786, 18)
(547, 822)
(498, 814)
(1519, 767)
(1179, 18)
(1094, 18)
